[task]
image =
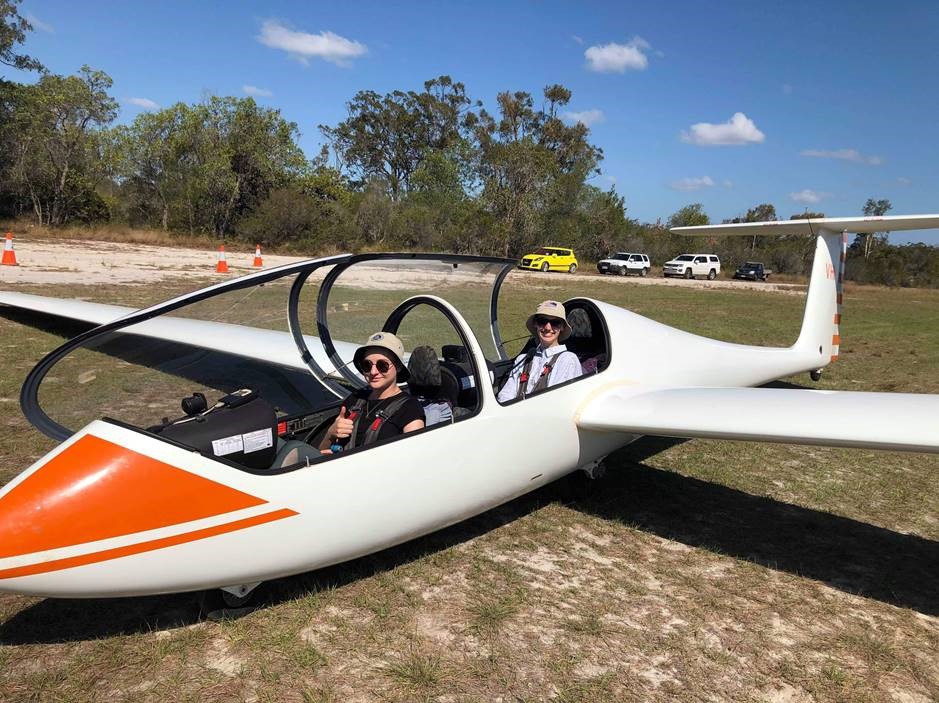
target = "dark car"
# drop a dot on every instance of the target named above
(752, 271)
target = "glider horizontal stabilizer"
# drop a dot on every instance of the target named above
(808, 228)
(891, 421)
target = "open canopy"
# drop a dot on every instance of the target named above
(289, 332)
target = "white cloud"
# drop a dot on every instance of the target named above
(844, 155)
(807, 196)
(38, 24)
(740, 129)
(579, 40)
(258, 92)
(586, 117)
(728, 184)
(145, 103)
(688, 184)
(904, 181)
(303, 46)
(617, 58)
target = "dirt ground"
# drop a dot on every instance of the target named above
(690, 571)
(56, 262)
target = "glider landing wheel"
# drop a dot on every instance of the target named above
(238, 596)
(816, 375)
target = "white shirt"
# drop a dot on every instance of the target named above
(566, 367)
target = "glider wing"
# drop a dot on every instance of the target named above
(892, 421)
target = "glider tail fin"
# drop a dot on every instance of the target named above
(820, 338)
(821, 324)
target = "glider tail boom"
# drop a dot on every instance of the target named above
(820, 337)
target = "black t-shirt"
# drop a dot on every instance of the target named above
(392, 426)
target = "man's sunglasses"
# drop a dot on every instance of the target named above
(541, 321)
(365, 365)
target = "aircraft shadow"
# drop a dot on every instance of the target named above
(852, 556)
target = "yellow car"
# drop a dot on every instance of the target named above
(550, 259)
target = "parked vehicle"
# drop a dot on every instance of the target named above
(753, 271)
(691, 265)
(623, 263)
(550, 259)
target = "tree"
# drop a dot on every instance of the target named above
(866, 242)
(13, 30)
(57, 159)
(804, 245)
(533, 168)
(387, 137)
(205, 166)
(692, 215)
(765, 212)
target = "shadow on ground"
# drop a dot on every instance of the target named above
(899, 569)
(902, 570)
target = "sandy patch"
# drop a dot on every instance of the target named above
(53, 262)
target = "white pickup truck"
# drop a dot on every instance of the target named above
(691, 265)
(623, 263)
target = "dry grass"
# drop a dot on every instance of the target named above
(700, 570)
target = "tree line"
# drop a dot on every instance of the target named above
(427, 169)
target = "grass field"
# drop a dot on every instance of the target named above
(692, 570)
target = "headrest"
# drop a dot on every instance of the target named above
(579, 321)
(424, 367)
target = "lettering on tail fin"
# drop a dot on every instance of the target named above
(830, 271)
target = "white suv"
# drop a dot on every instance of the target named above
(691, 265)
(623, 262)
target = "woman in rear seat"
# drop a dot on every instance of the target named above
(548, 363)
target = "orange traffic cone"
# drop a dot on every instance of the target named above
(258, 263)
(9, 256)
(222, 265)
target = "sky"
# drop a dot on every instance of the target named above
(805, 105)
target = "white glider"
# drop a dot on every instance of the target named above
(124, 507)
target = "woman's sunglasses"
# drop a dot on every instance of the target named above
(541, 321)
(365, 365)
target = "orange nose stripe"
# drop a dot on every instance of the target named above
(96, 490)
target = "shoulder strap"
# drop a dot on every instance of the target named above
(371, 434)
(545, 373)
(523, 377)
(355, 412)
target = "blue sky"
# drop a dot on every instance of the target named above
(816, 105)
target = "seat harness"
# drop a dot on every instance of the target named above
(356, 413)
(542, 382)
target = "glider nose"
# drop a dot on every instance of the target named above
(88, 502)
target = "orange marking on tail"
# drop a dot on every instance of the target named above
(96, 489)
(836, 340)
(837, 318)
(149, 546)
(834, 357)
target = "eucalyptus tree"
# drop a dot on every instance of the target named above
(873, 208)
(13, 28)
(386, 138)
(210, 164)
(533, 167)
(56, 155)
